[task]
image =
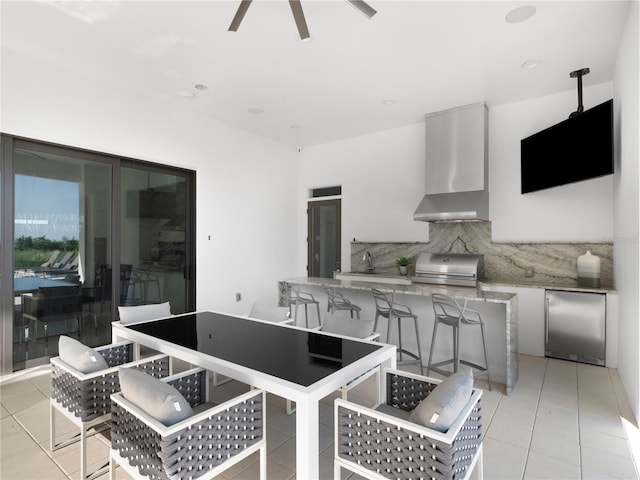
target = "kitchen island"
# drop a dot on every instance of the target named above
(499, 312)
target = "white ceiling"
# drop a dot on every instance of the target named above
(424, 55)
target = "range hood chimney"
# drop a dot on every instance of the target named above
(456, 163)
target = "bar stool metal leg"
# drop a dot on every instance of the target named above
(486, 358)
(433, 344)
(387, 308)
(415, 322)
(303, 298)
(403, 351)
(399, 339)
(448, 312)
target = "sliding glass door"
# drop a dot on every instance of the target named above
(153, 262)
(82, 233)
(62, 228)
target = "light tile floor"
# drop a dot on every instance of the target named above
(563, 421)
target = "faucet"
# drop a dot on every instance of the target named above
(369, 259)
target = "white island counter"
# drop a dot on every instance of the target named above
(499, 312)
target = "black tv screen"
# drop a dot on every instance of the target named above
(576, 149)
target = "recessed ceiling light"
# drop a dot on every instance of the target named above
(520, 14)
(200, 86)
(295, 128)
(388, 102)
(531, 64)
(255, 110)
(188, 95)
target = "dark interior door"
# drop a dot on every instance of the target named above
(323, 238)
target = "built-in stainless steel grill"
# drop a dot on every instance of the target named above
(464, 269)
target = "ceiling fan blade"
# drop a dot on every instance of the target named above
(298, 15)
(237, 19)
(364, 7)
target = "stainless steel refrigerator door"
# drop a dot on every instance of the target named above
(575, 326)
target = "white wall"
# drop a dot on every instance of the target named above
(382, 179)
(245, 184)
(580, 211)
(625, 251)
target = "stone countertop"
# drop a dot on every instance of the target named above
(424, 289)
(573, 287)
(524, 283)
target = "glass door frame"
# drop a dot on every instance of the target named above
(6, 254)
(319, 202)
(8, 145)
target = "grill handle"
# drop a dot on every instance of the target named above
(446, 275)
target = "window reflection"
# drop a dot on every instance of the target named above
(62, 211)
(153, 246)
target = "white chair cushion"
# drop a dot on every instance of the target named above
(157, 398)
(141, 313)
(79, 356)
(445, 403)
(341, 324)
(271, 313)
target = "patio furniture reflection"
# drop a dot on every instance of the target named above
(51, 305)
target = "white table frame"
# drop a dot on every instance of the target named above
(307, 398)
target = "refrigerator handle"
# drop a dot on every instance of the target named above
(546, 319)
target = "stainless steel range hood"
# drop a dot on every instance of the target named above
(453, 207)
(456, 163)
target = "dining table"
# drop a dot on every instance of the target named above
(292, 362)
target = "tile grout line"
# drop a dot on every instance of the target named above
(579, 435)
(535, 416)
(546, 373)
(623, 407)
(34, 440)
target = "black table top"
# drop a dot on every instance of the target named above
(296, 355)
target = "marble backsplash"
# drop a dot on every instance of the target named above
(553, 263)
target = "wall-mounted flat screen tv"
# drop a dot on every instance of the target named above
(576, 149)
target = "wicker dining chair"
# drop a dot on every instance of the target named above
(84, 398)
(386, 444)
(210, 440)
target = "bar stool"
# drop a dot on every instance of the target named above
(336, 301)
(386, 307)
(303, 298)
(448, 312)
(143, 279)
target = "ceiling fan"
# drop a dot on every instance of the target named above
(298, 15)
